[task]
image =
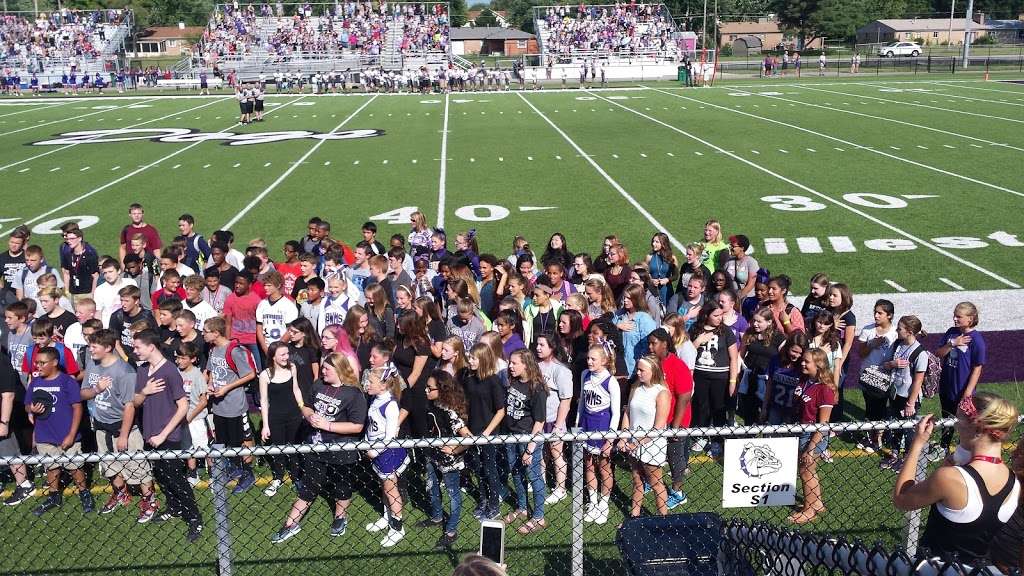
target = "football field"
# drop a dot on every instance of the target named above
(889, 185)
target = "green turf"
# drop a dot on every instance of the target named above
(855, 490)
(682, 156)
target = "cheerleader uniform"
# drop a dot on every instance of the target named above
(599, 407)
(382, 426)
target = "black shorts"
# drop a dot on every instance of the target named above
(241, 107)
(202, 84)
(249, 106)
(231, 431)
(326, 478)
(259, 105)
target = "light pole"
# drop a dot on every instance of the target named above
(967, 32)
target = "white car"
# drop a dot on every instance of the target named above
(900, 49)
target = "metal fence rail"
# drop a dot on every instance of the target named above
(239, 527)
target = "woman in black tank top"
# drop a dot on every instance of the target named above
(970, 500)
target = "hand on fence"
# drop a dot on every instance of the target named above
(924, 429)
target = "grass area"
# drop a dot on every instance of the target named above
(856, 494)
(779, 164)
(857, 176)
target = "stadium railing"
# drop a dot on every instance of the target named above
(238, 528)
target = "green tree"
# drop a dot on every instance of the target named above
(486, 18)
(458, 12)
(170, 12)
(839, 19)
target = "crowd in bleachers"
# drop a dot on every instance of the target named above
(622, 27)
(61, 34)
(358, 27)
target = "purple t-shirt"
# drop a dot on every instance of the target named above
(66, 393)
(957, 365)
(158, 409)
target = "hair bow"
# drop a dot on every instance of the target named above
(971, 412)
(471, 234)
(607, 345)
(389, 372)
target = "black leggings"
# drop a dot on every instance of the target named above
(170, 477)
(286, 432)
(710, 395)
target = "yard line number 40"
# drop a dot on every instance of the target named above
(472, 213)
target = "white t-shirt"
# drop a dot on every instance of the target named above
(558, 379)
(275, 318)
(203, 311)
(74, 339)
(880, 354)
(107, 299)
(234, 257)
(903, 378)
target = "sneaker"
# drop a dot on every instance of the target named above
(379, 526)
(866, 446)
(338, 527)
(194, 532)
(52, 501)
(826, 456)
(248, 480)
(429, 522)
(163, 516)
(393, 537)
(699, 445)
(676, 498)
(21, 493)
(147, 509)
(556, 496)
(592, 512)
(193, 480)
(115, 501)
(88, 502)
(602, 512)
(285, 533)
(271, 490)
(445, 542)
(478, 513)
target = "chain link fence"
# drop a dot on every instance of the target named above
(398, 508)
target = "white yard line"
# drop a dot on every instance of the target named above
(1015, 92)
(442, 179)
(33, 109)
(131, 174)
(939, 108)
(241, 214)
(951, 284)
(971, 98)
(48, 152)
(622, 192)
(884, 119)
(895, 286)
(854, 144)
(104, 111)
(823, 196)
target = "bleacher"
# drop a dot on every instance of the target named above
(307, 38)
(613, 32)
(50, 44)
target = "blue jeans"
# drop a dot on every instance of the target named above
(485, 465)
(536, 477)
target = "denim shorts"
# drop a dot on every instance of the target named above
(822, 446)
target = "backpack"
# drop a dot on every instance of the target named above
(932, 374)
(229, 353)
(46, 269)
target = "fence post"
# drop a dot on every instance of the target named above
(222, 526)
(912, 531)
(578, 485)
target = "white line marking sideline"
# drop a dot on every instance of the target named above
(33, 109)
(241, 214)
(859, 146)
(806, 87)
(823, 196)
(1017, 92)
(444, 167)
(131, 174)
(643, 211)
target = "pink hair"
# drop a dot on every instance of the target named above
(344, 345)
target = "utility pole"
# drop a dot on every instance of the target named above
(949, 35)
(704, 33)
(967, 32)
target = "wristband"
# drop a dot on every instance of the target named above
(732, 380)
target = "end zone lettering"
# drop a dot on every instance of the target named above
(188, 135)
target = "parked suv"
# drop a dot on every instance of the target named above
(900, 49)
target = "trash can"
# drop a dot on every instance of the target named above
(681, 74)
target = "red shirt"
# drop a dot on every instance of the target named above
(291, 273)
(151, 234)
(160, 295)
(809, 396)
(680, 381)
(241, 312)
(67, 363)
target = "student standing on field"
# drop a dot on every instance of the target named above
(161, 395)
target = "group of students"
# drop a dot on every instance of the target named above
(334, 343)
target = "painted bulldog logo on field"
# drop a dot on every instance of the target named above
(190, 135)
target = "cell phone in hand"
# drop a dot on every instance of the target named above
(492, 540)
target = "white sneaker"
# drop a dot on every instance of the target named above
(379, 526)
(592, 511)
(556, 496)
(393, 537)
(193, 481)
(271, 489)
(602, 512)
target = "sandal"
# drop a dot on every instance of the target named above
(513, 516)
(532, 526)
(803, 517)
